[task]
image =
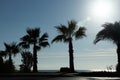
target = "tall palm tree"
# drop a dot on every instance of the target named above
(66, 35)
(33, 38)
(11, 49)
(111, 32)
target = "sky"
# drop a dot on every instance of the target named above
(17, 15)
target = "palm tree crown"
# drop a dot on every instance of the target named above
(33, 37)
(66, 33)
(12, 48)
(110, 32)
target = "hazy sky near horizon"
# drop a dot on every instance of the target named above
(17, 15)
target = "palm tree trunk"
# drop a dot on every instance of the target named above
(118, 54)
(10, 64)
(34, 58)
(71, 58)
(10, 59)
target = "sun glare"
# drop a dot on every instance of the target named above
(102, 8)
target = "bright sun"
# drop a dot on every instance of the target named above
(101, 8)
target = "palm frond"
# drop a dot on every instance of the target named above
(28, 39)
(72, 25)
(38, 47)
(33, 32)
(27, 58)
(24, 45)
(25, 38)
(44, 44)
(58, 38)
(14, 48)
(80, 33)
(7, 47)
(43, 41)
(100, 36)
(62, 29)
(2, 53)
(44, 37)
(66, 40)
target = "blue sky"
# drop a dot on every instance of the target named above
(17, 15)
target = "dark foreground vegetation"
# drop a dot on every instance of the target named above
(99, 74)
(61, 74)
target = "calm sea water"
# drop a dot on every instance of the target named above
(58, 70)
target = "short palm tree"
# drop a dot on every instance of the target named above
(33, 38)
(26, 61)
(110, 32)
(66, 35)
(2, 67)
(2, 54)
(11, 49)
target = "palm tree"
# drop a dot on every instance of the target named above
(11, 49)
(33, 37)
(66, 35)
(2, 67)
(110, 32)
(26, 61)
(2, 54)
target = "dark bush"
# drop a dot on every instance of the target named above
(65, 69)
(118, 68)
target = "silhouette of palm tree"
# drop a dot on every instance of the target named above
(11, 49)
(2, 67)
(33, 37)
(66, 35)
(2, 54)
(110, 32)
(27, 61)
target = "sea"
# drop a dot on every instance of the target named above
(58, 70)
